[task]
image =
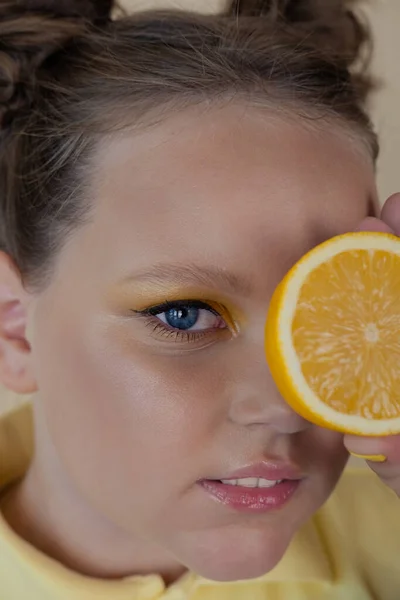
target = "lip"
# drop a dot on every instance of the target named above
(256, 500)
(274, 471)
(251, 500)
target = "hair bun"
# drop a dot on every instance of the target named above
(329, 25)
(30, 32)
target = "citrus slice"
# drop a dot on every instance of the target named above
(333, 334)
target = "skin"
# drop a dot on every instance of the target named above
(128, 419)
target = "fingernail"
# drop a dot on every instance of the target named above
(378, 458)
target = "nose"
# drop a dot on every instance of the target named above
(255, 400)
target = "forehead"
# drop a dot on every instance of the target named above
(229, 186)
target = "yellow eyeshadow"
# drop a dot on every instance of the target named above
(139, 297)
(225, 313)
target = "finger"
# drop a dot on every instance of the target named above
(388, 473)
(382, 456)
(391, 213)
(373, 224)
(373, 449)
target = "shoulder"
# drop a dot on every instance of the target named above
(358, 489)
(16, 443)
(360, 526)
(362, 504)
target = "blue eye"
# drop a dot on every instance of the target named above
(187, 315)
(182, 318)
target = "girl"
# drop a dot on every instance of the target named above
(159, 175)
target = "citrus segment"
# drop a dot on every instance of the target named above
(333, 334)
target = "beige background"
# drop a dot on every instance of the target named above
(385, 19)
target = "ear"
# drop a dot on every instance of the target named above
(15, 352)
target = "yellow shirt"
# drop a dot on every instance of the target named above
(350, 550)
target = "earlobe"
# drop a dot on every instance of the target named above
(15, 352)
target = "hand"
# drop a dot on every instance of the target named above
(382, 454)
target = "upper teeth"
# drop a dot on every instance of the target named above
(252, 482)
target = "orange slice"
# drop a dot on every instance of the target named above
(333, 334)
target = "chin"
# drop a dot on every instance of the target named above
(236, 554)
(240, 568)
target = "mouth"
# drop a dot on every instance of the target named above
(251, 482)
(260, 488)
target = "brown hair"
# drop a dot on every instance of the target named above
(69, 74)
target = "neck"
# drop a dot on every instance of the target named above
(48, 512)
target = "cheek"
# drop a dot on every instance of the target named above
(326, 457)
(330, 445)
(118, 415)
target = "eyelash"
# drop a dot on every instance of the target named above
(179, 335)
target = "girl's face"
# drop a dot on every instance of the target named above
(148, 345)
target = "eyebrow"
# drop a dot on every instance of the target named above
(188, 274)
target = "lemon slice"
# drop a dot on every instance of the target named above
(332, 334)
